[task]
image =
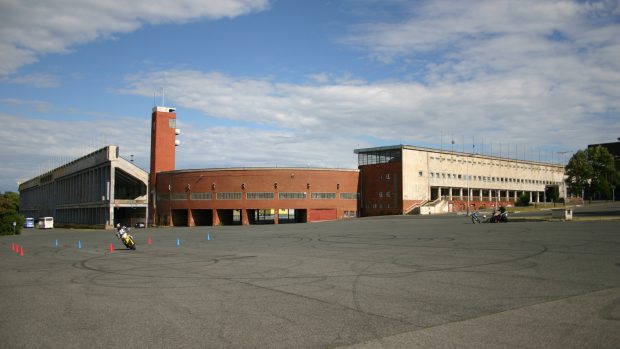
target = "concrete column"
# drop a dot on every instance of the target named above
(110, 190)
(244, 217)
(276, 216)
(450, 194)
(216, 218)
(439, 192)
(190, 219)
(461, 194)
(531, 197)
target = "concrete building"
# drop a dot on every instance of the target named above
(241, 195)
(99, 189)
(102, 189)
(401, 179)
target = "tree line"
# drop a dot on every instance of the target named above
(591, 174)
(9, 214)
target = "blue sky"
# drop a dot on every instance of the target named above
(303, 83)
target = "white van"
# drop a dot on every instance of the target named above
(46, 223)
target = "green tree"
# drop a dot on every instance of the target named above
(523, 200)
(591, 172)
(9, 213)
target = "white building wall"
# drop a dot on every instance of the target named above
(416, 185)
(457, 170)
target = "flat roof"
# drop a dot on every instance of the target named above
(450, 152)
(262, 169)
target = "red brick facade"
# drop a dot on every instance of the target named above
(381, 189)
(211, 196)
(163, 137)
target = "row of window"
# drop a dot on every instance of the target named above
(377, 205)
(491, 163)
(487, 179)
(258, 196)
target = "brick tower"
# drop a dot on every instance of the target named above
(163, 142)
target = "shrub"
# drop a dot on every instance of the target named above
(523, 200)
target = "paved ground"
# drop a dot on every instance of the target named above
(388, 282)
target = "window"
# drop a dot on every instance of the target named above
(388, 194)
(387, 176)
(229, 196)
(420, 173)
(259, 196)
(201, 196)
(291, 195)
(178, 196)
(380, 194)
(379, 157)
(323, 196)
(348, 196)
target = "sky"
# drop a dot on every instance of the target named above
(296, 83)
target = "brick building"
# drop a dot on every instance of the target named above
(241, 195)
(402, 179)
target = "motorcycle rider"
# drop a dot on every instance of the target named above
(120, 230)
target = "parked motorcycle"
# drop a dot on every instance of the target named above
(499, 217)
(475, 217)
(126, 238)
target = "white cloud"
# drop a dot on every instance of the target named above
(31, 145)
(36, 80)
(30, 29)
(530, 72)
(529, 108)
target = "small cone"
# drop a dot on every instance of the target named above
(111, 248)
(178, 242)
(209, 237)
(149, 241)
(79, 244)
(21, 251)
(56, 242)
(12, 247)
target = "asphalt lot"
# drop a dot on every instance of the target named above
(387, 282)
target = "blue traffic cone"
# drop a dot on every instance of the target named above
(208, 237)
(178, 241)
(79, 244)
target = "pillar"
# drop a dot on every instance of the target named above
(244, 217)
(216, 218)
(450, 194)
(276, 216)
(190, 218)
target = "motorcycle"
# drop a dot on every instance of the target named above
(499, 217)
(126, 238)
(475, 218)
